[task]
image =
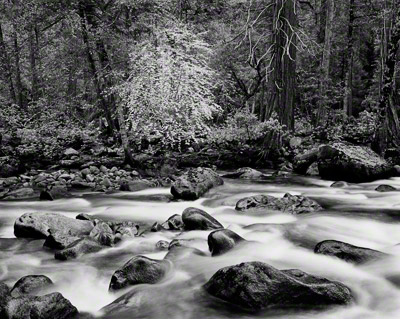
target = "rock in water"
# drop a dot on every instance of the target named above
(139, 270)
(197, 219)
(103, 233)
(223, 240)
(79, 248)
(195, 183)
(56, 192)
(350, 163)
(293, 204)
(256, 286)
(28, 285)
(245, 173)
(58, 240)
(339, 184)
(4, 296)
(385, 188)
(347, 252)
(51, 306)
(175, 222)
(40, 225)
(136, 185)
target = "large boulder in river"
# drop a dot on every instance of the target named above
(195, 183)
(139, 270)
(351, 163)
(347, 252)
(197, 219)
(40, 225)
(51, 306)
(293, 204)
(223, 240)
(28, 285)
(79, 248)
(256, 286)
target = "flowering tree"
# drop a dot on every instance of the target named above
(169, 91)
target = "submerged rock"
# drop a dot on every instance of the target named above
(350, 163)
(197, 219)
(40, 225)
(339, 184)
(179, 252)
(347, 252)
(79, 248)
(139, 270)
(385, 188)
(256, 286)
(293, 204)
(51, 306)
(28, 285)
(195, 183)
(223, 240)
(175, 222)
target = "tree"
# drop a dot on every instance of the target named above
(387, 133)
(348, 91)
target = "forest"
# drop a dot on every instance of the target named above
(167, 75)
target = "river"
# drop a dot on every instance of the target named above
(355, 214)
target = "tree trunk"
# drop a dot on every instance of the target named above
(33, 57)
(5, 62)
(18, 81)
(348, 95)
(124, 137)
(387, 133)
(325, 65)
(281, 81)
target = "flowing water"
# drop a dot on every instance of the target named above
(355, 214)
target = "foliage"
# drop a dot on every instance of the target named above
(169, 92)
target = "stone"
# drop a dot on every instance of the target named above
(103, 169)
(79, 248)
(56, 192)
(347, 252)
(313, 170)
(175, 222)
(303, 161)
(385, 188)
(135, 185)
(292, 204)
(256, 286)
(90, 178)
(20, 193)
(71, 152)
(51, 306)
(4, 295)
(350, 163)
(223, 240)
(162, 245)
(40, 225)
(195, 183)
(139, 270)
(29, 285)
(94, 170)
(103, 233)
(106, 182)
(339, 184)
(197, 219)
(59, 240)
(245, 173)
(80, 185)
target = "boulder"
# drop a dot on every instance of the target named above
(71, 152)
(103, 233)
(302, 162)
(51, 306)
(256, 286)
(175, 222)
(293, 204)
(195, 183)
(79, 248)
(350, 163)
(39, 225)
(4, 295)
(59, 240)
(197, 219)
(125, 228)
(347, 252)
(25, 192)
(245, 173)
(135, 185)
(29, 285)
(223, 240)
(56, 192)
(139, 270)
(385, 188)
(162, 245)
(313, 170)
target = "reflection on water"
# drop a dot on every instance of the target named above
(356, 214)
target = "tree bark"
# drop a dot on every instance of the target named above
(5, 62)
(387, 133)
(33, 57)
(348, 96)
(18, 81)
(281, 81)
(325, 65)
